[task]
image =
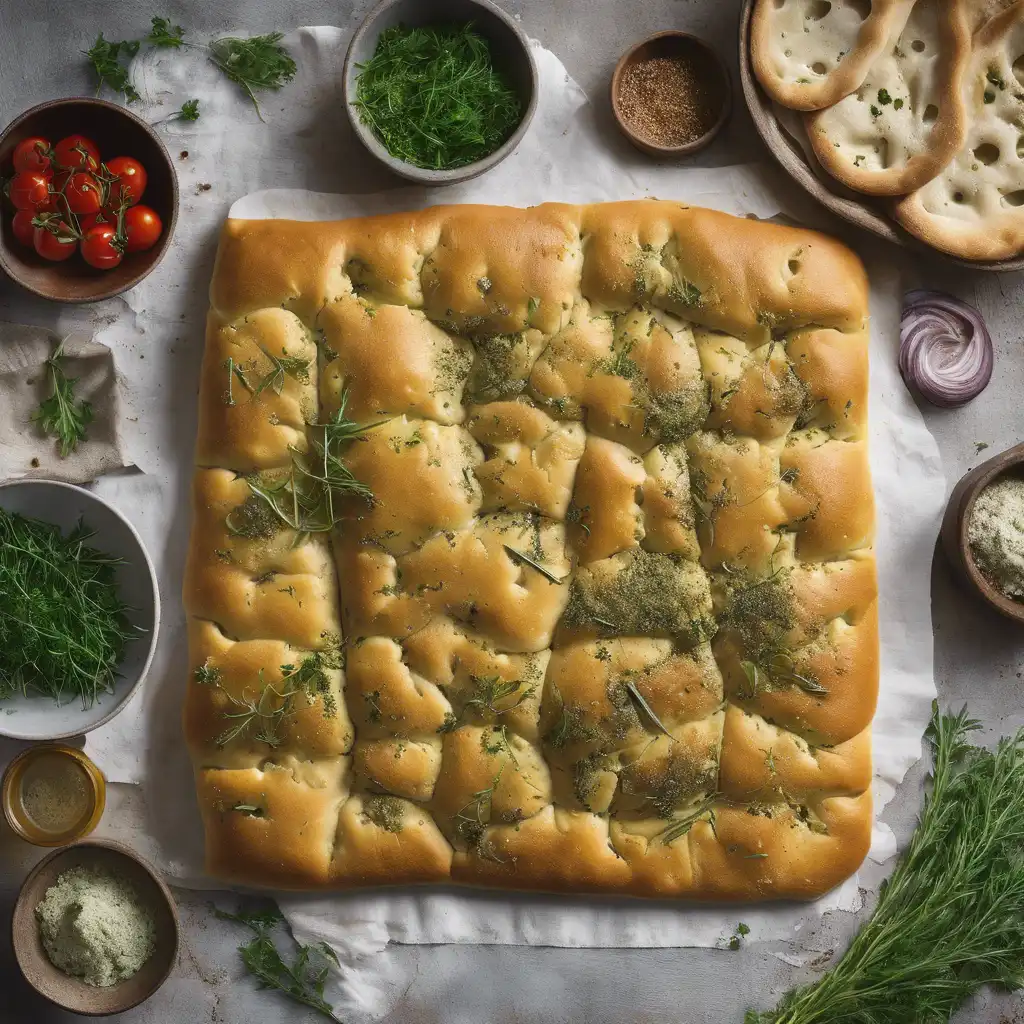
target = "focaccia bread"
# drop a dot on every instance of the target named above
(809, 54)
(533, 549)
(974, 208)
(904, 123)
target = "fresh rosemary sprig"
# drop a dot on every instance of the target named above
(63, 629)
(303, 979)
(433, 96)
(60, 416)
(519, 556)
(680, 826)
(308, 499)
(950, 919)
(257, 63)
(642, 705)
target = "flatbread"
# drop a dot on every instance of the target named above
(907, 119)
(809, 54)
(975, 207)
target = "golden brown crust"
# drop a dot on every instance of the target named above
(662, 408)
(808, 55)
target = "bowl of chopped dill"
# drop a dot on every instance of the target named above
(79, 610)
(439, 90)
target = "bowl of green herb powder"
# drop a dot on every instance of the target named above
(79, 610)
(439, 90)
(95, 928)
(983, 532)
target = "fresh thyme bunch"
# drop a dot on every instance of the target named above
(950, 919)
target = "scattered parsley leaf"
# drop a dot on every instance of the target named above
(189, 111)
(110, 62)
(165, 35)
(257, 63)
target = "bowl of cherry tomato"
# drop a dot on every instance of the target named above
(89, 203)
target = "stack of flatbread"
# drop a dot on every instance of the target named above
(917, 101)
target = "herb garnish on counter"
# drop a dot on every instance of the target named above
(62, 625)
(257, 63)
(60, 415)
(434, 98)
(950, 919)
(303, 979)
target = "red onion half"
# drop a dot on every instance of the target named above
(945, 348)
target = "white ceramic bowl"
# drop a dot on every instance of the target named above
(38, 717)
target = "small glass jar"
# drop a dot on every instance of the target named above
(53, 795)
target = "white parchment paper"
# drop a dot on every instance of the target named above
(564, 157)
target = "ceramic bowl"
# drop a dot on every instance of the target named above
(38, 717)
(72, 993)
(509, 47)
(117, 132)
(710, 65)
(954, 530)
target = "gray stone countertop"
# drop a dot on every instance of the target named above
(978, 658)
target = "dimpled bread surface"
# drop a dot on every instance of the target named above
(608, 623)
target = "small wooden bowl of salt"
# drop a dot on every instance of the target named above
(95, 929)
(671, 94)
(983, 532)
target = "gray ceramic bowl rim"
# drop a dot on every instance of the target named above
(424, 175)
(154, 633)
(169, 226)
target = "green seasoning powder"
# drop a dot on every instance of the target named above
(95, 926)
(433, 97)
(996, 534)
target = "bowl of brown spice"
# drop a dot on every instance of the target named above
(671, 94)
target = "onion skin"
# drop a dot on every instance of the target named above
(946, 352)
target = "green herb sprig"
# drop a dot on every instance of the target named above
(63, 628)
(257, 63)
(60, 416)
(164, 35)
(303, 980)
(110, 62)
(433, 96)
(950, 919)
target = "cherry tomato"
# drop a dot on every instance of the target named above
(69, 153)
(50, 247)
(30, 190)
(83, 193)
(132, 181)
(100, 247)
(32, 154)
(22, 226)
(142, 228)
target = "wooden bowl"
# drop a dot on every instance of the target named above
(954, 530)
(509, 47)
(117, 132)
(863, 211)
(673, 44)
(72, 993)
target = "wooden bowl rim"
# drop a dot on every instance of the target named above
(169, 226)
(21, 909)
(794, 163)
(686, 148)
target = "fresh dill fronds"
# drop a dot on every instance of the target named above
(60, 416)
(165, 35)
(950, 919)
(433, 97)
(63, 629)
(257, 63)
(303, 980)
(110, 62)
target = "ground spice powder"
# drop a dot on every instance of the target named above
(669, 100)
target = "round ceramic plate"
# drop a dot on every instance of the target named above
(39, 718)
(861, 210)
